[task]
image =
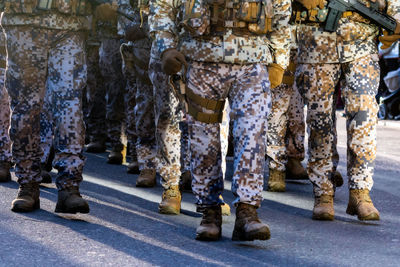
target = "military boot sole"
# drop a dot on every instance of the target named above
(19, 206)
(73, 210)
(259, 234)
(323, 217)
(208, 236)
(168, 210)
(370, 217)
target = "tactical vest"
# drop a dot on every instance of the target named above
(213, 17)
(69, 7)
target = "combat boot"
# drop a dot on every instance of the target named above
(323, 208)
(96, 147)
(276, 181)
(46, 177)
(5, 175)
(210, 225)
(171, 201)
(360, 204)
(115, 157)
(337, 179)
(295, 170)
(186, 181)
(71, 201)
(27, 198)
(147, 178)
(248, 226)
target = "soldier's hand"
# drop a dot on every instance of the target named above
(133, 32)
(106, 12)
(275, 73)
(387, 40)
(172, 61)
(311, 4)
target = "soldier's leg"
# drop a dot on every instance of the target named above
(25, 81)
(318, 81)
(66, 79)
(295, 136)
(277, 127)
(46, 136)
(96, 92)
(128, 70)
(362, 79)
(111, 69)
(250, 103)
(146, 147)
(5, 142)
(168, 136)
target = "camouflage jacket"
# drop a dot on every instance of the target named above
(167, 17)
(51, 14)
(354, 38)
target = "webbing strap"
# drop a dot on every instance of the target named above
(204, 117)
(210, 104)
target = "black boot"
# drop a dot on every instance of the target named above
(71, 201)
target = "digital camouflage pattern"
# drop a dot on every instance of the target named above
(362, 80)
(110, 62)
(140, 92)
(96, 95)
(46, 127)
(168, 115)
(5, 142)
(227, 47)
(56, 62)
(351, 51)
(245, 86)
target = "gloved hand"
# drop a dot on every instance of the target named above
(106, 11)
(387, 40)
(134, 32)
(311, 4)
(172, 61)
(275, 72)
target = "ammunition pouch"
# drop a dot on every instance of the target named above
(288, 76)
(193, 104)
(205, 17)
(70, 7)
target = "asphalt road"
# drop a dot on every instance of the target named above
(124, 228)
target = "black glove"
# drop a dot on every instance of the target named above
(172, 61)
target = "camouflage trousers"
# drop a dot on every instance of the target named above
(362, 81)
(46, 126)
(96, 96)
(168, 114)
(140, 104)
(109, 90)
(247, 88)
(40, 60)
(5, 142)
(286, 127)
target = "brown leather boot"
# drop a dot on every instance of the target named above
(71, 201)
(147, 178)
(276, 181)
(171, 201)
(5, 175)
(96, 147)
(248, 226)
(210, 225)
(27, 198)
(295, 170)
(323, 208)
(360, 204)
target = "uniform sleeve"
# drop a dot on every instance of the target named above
(280, 37)
(162, 23)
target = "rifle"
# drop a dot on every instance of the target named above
(337, 7)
